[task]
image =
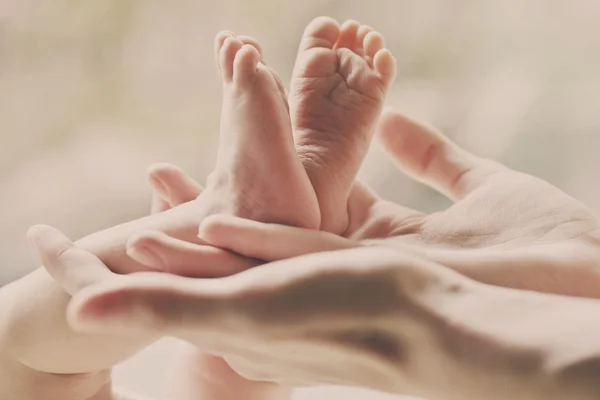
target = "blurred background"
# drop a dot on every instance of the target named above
(92, 92)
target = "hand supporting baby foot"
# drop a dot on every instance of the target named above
(368, 317)
(341, 77)
(505, 229)
(340, 81)
(258, 174)
(196, 374)
(46, 308)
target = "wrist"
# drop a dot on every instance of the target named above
(18, 382)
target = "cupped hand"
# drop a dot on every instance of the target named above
(372, 317)
(195, 373)
(505, 228)
(33, 327)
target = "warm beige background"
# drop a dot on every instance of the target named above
(91, 92)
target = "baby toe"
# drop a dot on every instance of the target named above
(227, 54)
(218, 44)
(347, 37)
(245, 64)
(372, 43)
(252, 42)
(359, 46)
(384, 64)
(321, 32)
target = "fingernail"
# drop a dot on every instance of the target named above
(147, 256)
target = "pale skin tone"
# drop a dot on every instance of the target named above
(549, 247)
(399, 322)
(244, 153)
(506, 228)
(371, 317)
(377, 224)
(340, 80)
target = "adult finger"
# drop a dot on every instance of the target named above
(356, 305)
(163, 252)
(365, 211)
(567, 269)
(72, 267)
(425, 154)
(269, 242)
(172, 185)
(158, 203)
(294, 295)
(395, 322)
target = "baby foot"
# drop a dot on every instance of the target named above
(339, 84)
(258, 174)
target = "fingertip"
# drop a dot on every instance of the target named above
(97, 312)
(161, 171)
(172, 184)
(220, 228)
(390, 123)
(78, 314)
(141, 247)
(158, 168)
(100, 300)
(397, 131)
(210, 229)
(48, 242)
(82, 310)
(145, 256)
(33, 234)
(143, 238)
(156, 174)
(39, 231)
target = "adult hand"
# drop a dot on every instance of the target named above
(505, 228)
(37, 345)
(372, 317)
(198, 374)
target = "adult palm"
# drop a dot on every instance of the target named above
(505, 228)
